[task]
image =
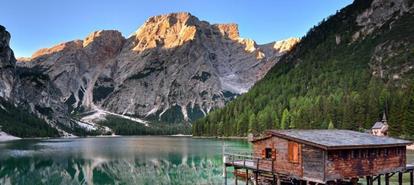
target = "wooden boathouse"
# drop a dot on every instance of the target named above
(322, 157)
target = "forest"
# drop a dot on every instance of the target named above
(122, 126)
(18, 122)
(323, 83)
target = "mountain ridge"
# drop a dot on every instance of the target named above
(174, 69)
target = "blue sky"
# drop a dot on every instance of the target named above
(36, 24)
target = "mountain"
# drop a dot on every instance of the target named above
(346, 72)
(16, 119)
(173, 70)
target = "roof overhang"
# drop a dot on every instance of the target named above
(325, 147)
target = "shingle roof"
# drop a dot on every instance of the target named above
(378, 125)
(338, 139)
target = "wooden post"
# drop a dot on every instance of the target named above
(369, 180)
(411, 178)
(387, 179)
(354, 181)
(225, 174)
(274, 179)
(379, 179)
(235, 176)
(400, 175)
(247, 176)
(278, 180)
(224, 163)
(256, 177)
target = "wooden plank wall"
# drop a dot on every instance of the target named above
(282, 164)
(313, 163)
(341, 165)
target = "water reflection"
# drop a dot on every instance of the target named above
(123, 160)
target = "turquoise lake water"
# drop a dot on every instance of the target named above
(138, 160)
(115, 160)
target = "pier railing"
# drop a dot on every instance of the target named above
(247, 160)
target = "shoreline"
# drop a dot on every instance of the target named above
(219, 137)
(7, 137)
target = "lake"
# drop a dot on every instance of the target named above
(117, 160)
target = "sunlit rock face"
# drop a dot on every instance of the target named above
(73, 67)
(174, 68)
(177, 64)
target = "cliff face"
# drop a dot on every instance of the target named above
(7, 65)
(74, 67)
(17, 117)
(183, 65)
(174, 68)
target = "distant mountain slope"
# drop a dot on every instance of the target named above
(15, 119)
(346, 71)
(173, 70)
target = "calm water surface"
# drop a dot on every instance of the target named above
(116, 160)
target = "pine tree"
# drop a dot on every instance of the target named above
(252, 123)
(409, 119)
(396, 117)
(261, 119)
(285, 119)
(331, 125)
(276, 122)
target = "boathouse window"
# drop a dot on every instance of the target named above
(344, 154)
(268, 153)
(356, 154)
(386, 152)
(293, 152)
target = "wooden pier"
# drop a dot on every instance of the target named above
(247, 168)
(331, 157)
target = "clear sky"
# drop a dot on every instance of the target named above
(36, 24)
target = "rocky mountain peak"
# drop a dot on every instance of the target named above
(67, 46)
(103, 37)
(285, 45)
(6, 54)
(229, 30)
(278, 48)
(168, 31)
(103, 44)
(173, 18)
(107, 40)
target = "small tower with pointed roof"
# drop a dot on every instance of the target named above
(380, 128)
